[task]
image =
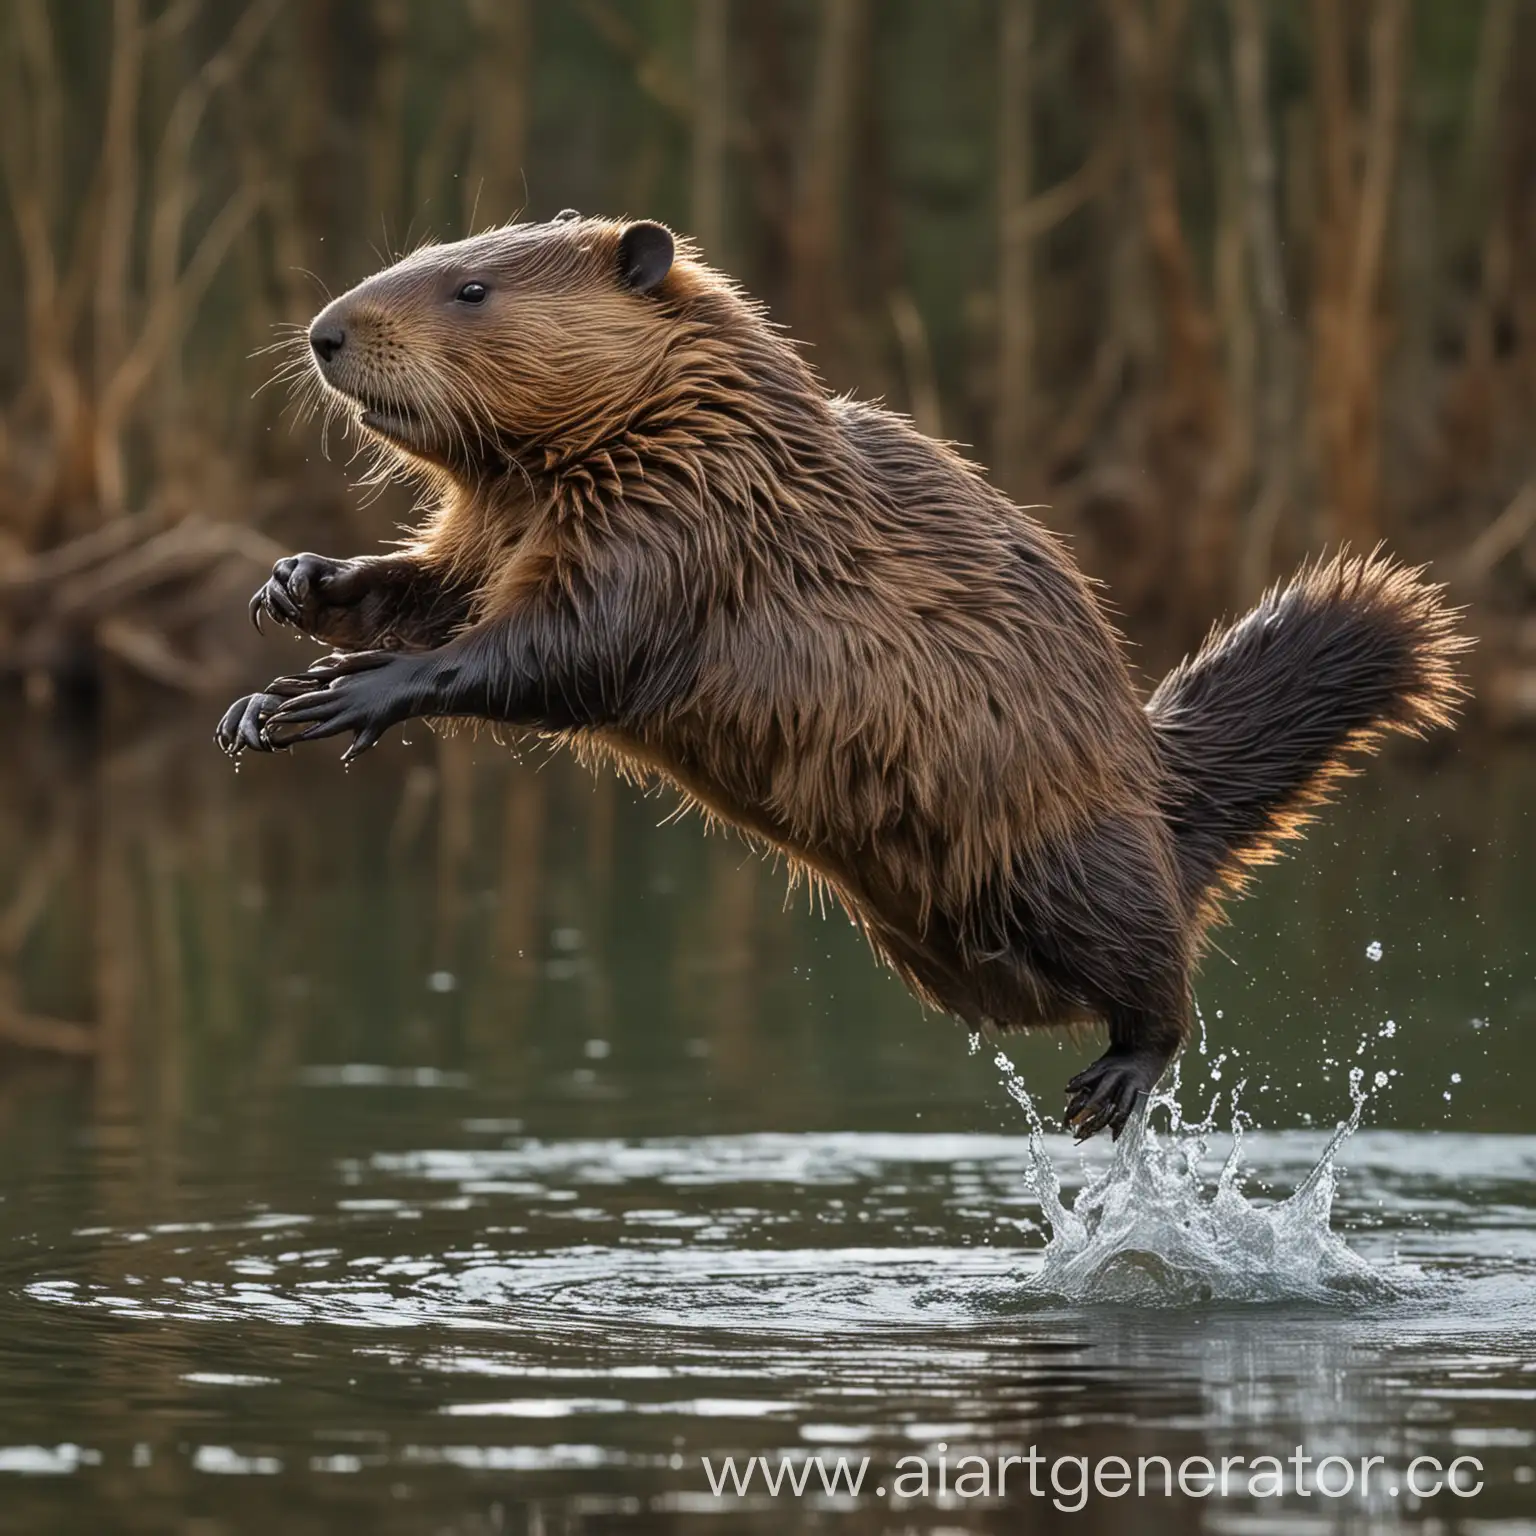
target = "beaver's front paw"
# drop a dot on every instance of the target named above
(243, 728)
(1107, 1093)
(366, 693)
(310, 593)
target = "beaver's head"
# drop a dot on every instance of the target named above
(531, 338)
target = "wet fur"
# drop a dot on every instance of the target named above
(656, 536)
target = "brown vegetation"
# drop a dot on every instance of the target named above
(1219, 281)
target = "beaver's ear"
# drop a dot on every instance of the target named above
(645, 255)
(566, 216)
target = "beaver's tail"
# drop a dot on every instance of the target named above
(1256, 726)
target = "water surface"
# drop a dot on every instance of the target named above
(451, 1147)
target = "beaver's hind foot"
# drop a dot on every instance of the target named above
(1106, 1094)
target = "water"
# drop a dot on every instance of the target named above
(1146, 1230)
(458, 1150)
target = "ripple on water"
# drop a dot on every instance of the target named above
(882, 1234)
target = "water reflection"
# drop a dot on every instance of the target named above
(444, 1145)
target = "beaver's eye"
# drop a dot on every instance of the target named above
(472, 293)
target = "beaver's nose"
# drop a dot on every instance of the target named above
(327, 337)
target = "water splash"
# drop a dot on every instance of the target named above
(1150, 1230)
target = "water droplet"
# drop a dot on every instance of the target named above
(1373, 950)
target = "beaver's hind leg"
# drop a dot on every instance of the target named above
(1099, 918)
(1106, 1093)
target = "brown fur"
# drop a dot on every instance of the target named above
(654, 535)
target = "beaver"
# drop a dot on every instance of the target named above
(654, 536)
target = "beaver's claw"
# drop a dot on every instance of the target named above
(299, 591)
(1106, 1093)
(243, 728)
(365, 692)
